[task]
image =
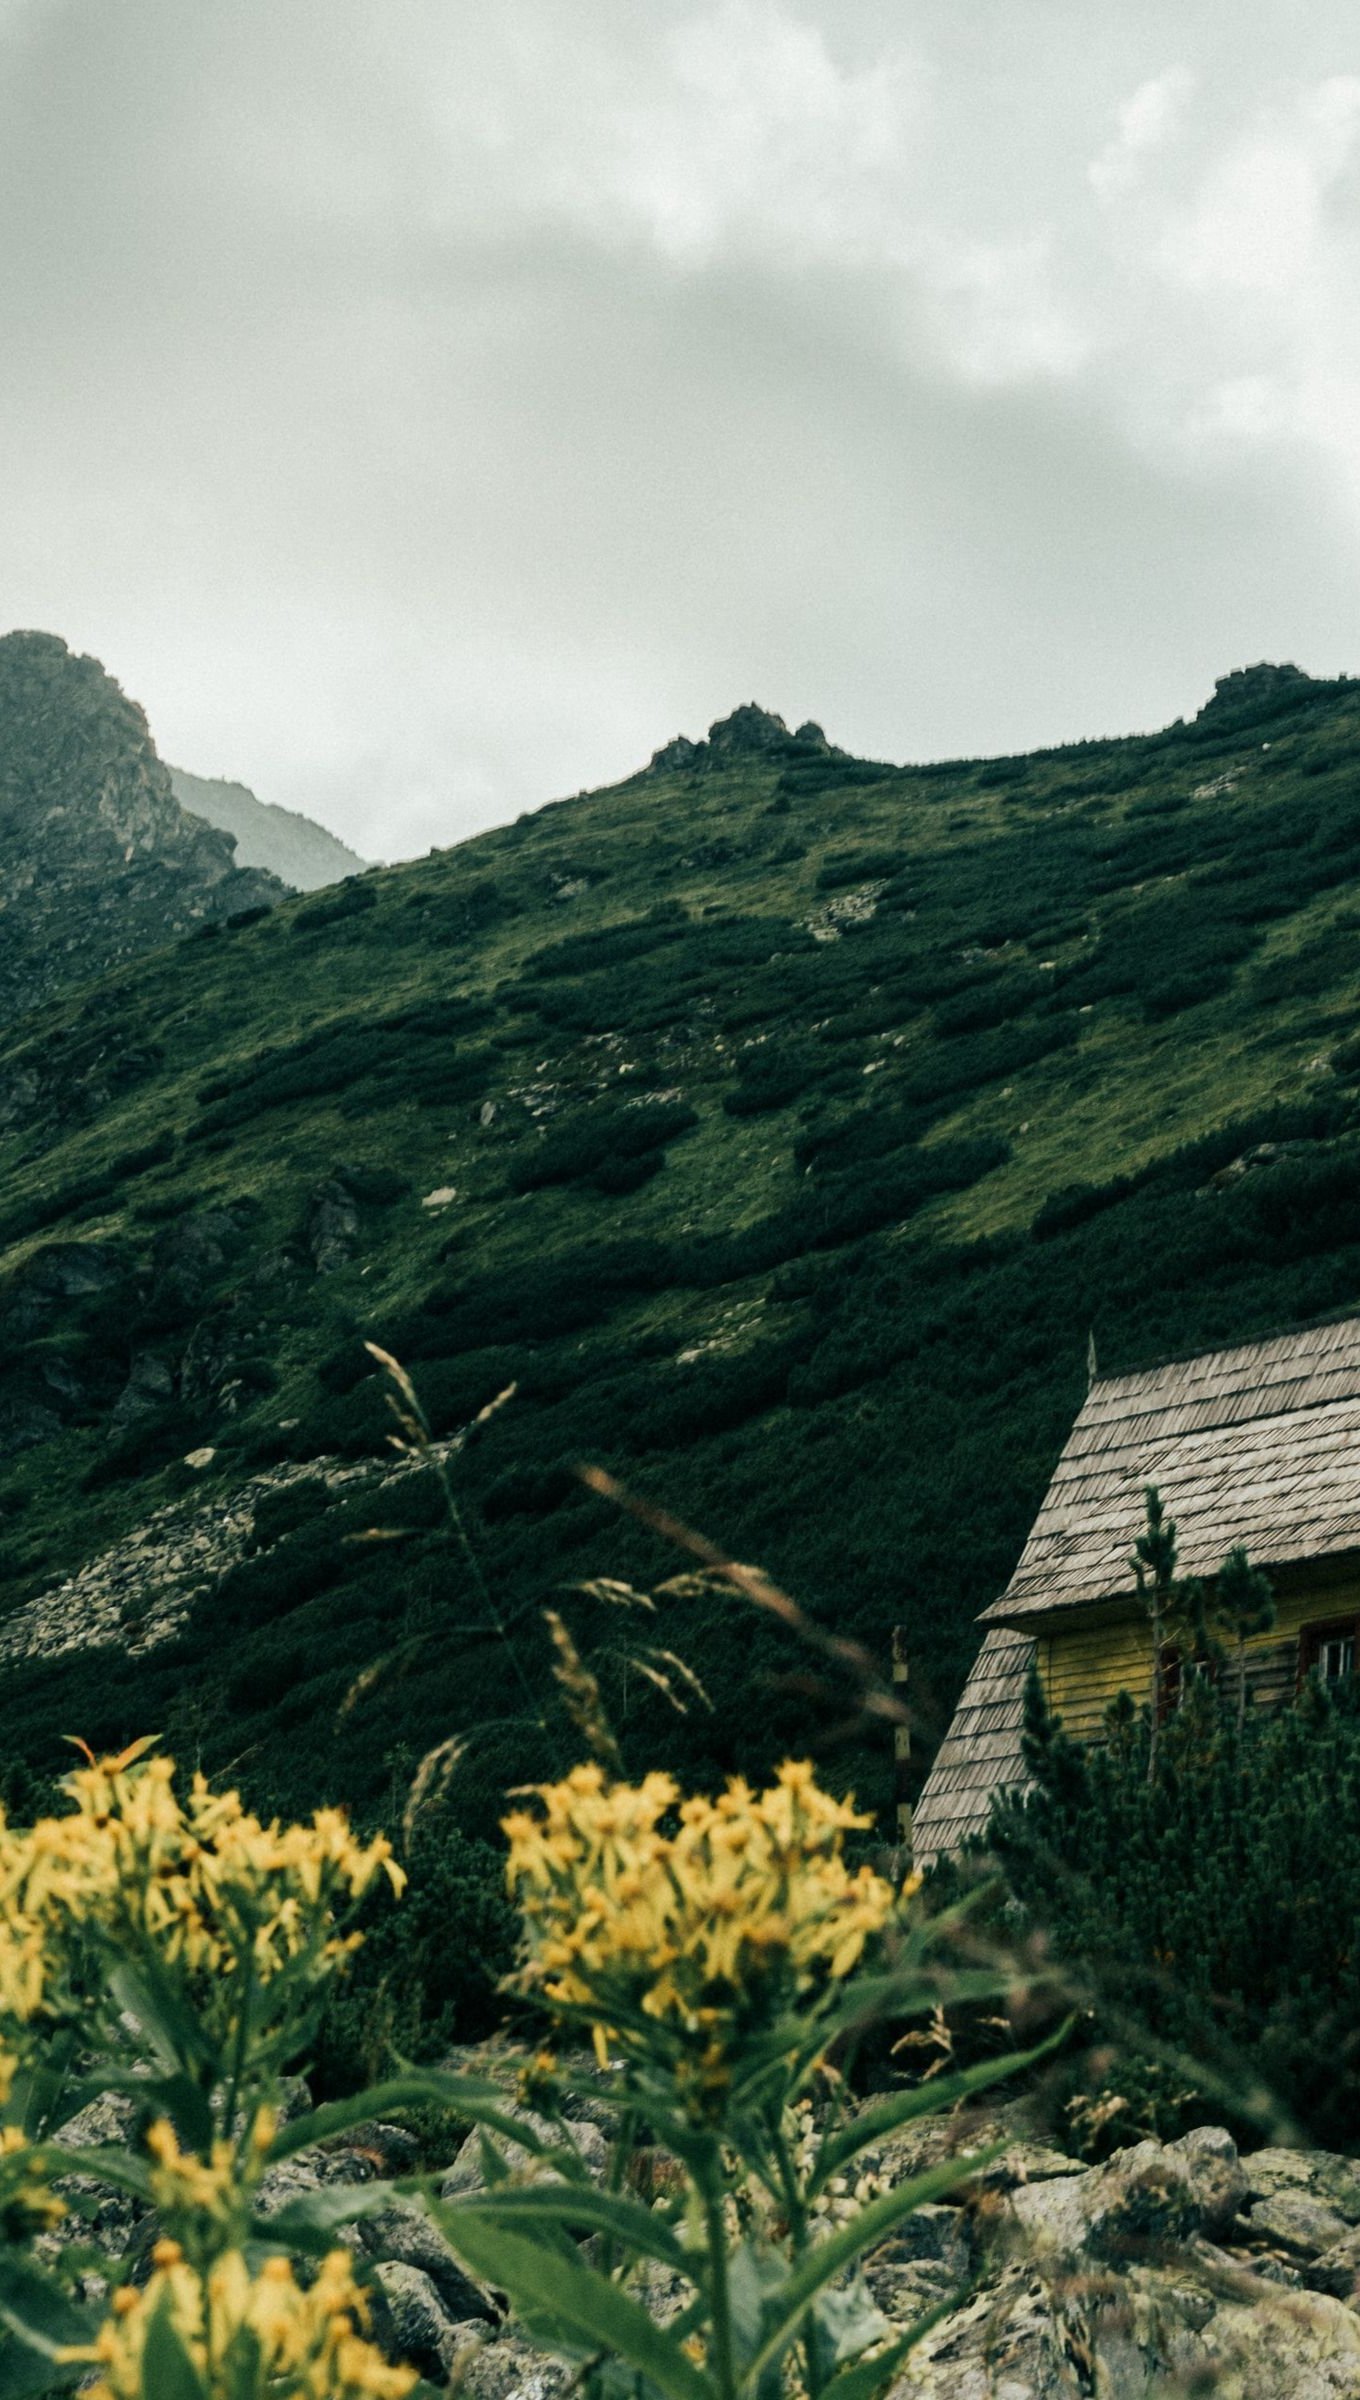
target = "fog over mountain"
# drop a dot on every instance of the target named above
(285, 844)
(419, 407)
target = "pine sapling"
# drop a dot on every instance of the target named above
(1243, 1603)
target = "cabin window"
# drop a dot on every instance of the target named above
(1175, 1673)
(1329, 1651)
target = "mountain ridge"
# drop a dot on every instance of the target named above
(303, 854)
(777, 1125)
(98, 861)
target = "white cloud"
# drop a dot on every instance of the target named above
(426, 409)
(1260, 220)
(1145, 123)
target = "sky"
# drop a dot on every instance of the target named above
(426, 409)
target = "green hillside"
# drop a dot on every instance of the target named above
(799, 1117)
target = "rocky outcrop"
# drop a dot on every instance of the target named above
(139, 1593)
(749, 732)
(1172, 2268)
(98, 861)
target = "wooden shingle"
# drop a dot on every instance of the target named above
(1258, 1445)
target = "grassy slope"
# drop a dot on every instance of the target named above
(1075, 968)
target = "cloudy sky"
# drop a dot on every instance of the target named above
(426, 407)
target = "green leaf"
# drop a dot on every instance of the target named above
(480, 2103)
(847, 2321)
(42, 2316)
(936, 2098)
(864, 2230)
(578, 2207)
(313, 2217)
(163, 2014)
(556, 2296)
(26, 2374)
(870, 2376)
(167, 2369)
(107, 2164)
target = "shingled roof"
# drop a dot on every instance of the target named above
(1259, 1445)
(980, 1754)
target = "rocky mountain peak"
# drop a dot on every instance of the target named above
(1261, 690)
(749, 732)
(98, 861)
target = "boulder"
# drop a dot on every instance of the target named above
(468, 2174)
(420, 2332)
(332, 1226)
(403, 2235)
(1300, 2224)
(1139, 2200)
(1144, 2333)
(506, 2367)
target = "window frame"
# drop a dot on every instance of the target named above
(1313, 1640)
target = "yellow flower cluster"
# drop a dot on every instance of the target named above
(208, 2200)
(248, 2336)
(28, 2205)
(745, 1903)
(200, 1879)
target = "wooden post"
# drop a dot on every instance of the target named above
(901, 1743)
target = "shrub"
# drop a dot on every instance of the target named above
(1211, 1902)
(352, 898)
(613, 1148)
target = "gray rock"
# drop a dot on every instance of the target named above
(506, 2367)
(1139, 2199)
(940, 2234)
(421, 2333)
(332, 1226)
(1143, 2334)
(1326, 2175)
(404, 2235)
(1298, 2223)
(467, 2174)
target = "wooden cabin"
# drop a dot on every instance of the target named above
(1259, 1445)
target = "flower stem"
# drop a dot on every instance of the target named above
(718, 2297)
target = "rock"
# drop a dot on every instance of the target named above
(421, 2333)
(467, 2173)
(674, 755)
(188, 1255)
(1322, 2172)
(98, 860)
(1298, 2223)
(402, 2234)
(748, 729)
(1338, 2270)
(1140, 2199)
(148, 1392)
(506, 2367)
(1137, 2336)
(332, 1226)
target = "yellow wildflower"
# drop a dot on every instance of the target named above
(249, 2337)
(745, 1905)
(201, 1880)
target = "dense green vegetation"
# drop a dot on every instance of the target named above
(1211, 1904)
(779, 1125)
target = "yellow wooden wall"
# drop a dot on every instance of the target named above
(1084, 1665)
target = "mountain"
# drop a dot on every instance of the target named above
(285, 844)
(781, 1126)
(98, 861)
